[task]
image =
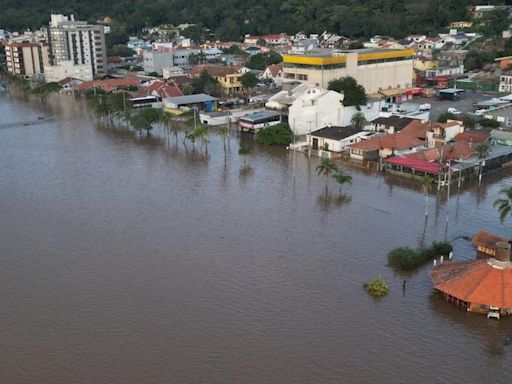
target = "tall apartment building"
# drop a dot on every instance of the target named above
(26, 58)
(374, 69)
(78, 42)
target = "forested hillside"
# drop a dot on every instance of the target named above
(234, 18)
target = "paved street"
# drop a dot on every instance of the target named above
(465, 104)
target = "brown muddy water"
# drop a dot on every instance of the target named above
(127, 259)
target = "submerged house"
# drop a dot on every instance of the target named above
(479, 286)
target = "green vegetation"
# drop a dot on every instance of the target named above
(468, 122)
(279, 134)
(232, 19)
(244, 151)
(491, 123)
(377, 287)
(261, 61)
(408, 259)
(342, 178)
(504, 204)
(358, 120)
(205, 83)
(354, 93)
(121, 50)
(444, 117)
(145, 119)
(248, 80)
(326, 168)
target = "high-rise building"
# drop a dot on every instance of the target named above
(78, 42)
(26, 58)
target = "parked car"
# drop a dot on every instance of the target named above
(454, 111)
(480, 112)
(425, 107)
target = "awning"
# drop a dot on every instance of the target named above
(392, 92)
(420, 165)
(415, 91)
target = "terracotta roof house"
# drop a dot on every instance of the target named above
(485, 244)
(411, 136)
(474, 137)
(481, 285)
(161, 89)
(108, 85)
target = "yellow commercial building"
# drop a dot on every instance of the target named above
(374, 69)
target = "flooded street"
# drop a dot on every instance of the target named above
(128, 259)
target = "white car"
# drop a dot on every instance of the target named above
(454, 111)
(480, 112)
(425, 107)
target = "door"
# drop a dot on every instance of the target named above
(315, 143)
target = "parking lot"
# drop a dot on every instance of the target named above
(465, 104)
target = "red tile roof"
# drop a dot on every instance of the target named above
(420, 165)
(472, 136)
(487, 240)
(275, 69)
(476, 281)
(161, 89)
(108, 85)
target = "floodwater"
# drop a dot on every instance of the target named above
(129, 259)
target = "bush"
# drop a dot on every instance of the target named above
(408, 259)
(489, 123)
(377, 287)
(444, 117)
(404, 259)
(279, 134)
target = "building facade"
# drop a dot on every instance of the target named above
(374, 69)
(78, 42)
(26, 59)
(56, 73)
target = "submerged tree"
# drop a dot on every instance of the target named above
(342, 178)
(483, 150)
(244, 151)
(326, 168)
(224, 132)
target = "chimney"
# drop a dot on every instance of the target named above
(502, 251)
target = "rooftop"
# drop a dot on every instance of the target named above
(397, 122)
(190, 99)
(487, 240)
(259, 115)
(336, 133)
(482, 281)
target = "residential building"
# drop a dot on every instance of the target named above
(485, 244)
(506, 83)
(277, 39)
(460, 24)
(154, 61)
(169, 72)
(228, 77)
(391, 124)
(274, 72)
(374, 69)
(78, 42)
(336, 139)
(109, 85)
(56, 73)
(160, 90)
(181, 57)
(26, 58)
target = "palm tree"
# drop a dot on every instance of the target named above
(505, 204)
(483, 150)
(224, 132)
(166, 119)
(426, 183)
(342, 178)
(244, 150)
(326, 167)
(201, 132)
(358, 120)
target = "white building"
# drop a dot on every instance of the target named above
(154, 61)
(374, 69)
(506, 83)
(56, 73)
(78, 42)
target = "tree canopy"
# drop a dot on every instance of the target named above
(231, 19)
(205, 83)
(354, 94)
